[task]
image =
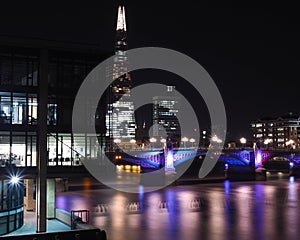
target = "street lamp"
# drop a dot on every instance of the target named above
(192, 141)
(152, 140)
(132, 141)
(163, 141)
(184, 139)
(243, 141)
(117, 141)
(267, 141)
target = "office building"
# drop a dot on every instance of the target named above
(165, 116)
(281, 132)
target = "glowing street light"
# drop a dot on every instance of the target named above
(243, 141)
(152, 140)
(163, 141)
(192, 141)
(216, 139)
(184, 139)
(117, 140)
(132, 141)
(267, 141)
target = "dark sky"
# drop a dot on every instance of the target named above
(250, 49)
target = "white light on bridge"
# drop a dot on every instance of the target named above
(243, 140)
(184, 139)
(216, 139)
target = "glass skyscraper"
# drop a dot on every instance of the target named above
(120, 121)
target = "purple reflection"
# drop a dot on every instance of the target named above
(227, 210)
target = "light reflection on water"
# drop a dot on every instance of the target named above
(228, 210)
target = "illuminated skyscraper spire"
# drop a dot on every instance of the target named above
(121, 25)
(120, 122)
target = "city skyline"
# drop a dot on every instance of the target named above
(250, 51)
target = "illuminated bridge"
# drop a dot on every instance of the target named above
(155, 159)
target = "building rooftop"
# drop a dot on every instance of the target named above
(286, 116)
(38, 43)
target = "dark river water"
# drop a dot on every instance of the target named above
(223, 210)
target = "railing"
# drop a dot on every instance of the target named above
(79, 216)
(90, 234)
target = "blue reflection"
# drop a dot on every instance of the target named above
(258, 208)
(227, 187)
(141, 192)
(171, 199)
(292, 179)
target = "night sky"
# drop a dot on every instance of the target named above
(250, 50)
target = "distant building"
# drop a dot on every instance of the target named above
(280, 133)
(165, 113)
(120, 122)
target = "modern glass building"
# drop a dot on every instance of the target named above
(120, 121)
(24, 63)
(68, 65)
(11, 206)
(165, 113)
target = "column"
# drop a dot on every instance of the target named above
(42, 143)
(29, 200)
(50, 198)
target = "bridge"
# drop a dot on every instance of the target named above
(153, 159)
(239, 157)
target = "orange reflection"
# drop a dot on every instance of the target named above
(87, 183)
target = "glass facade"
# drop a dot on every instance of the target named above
(19, 111)
(11, 206)
(165, 113)
(120, 119)
(18, 108)
(19, 97)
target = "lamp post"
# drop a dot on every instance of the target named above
(132, 141)
(216, 139)
(243, 141)
(117, 141)
(152, 140)
(163, 141)
(184, 139)
(267, 141)
(192, 141)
